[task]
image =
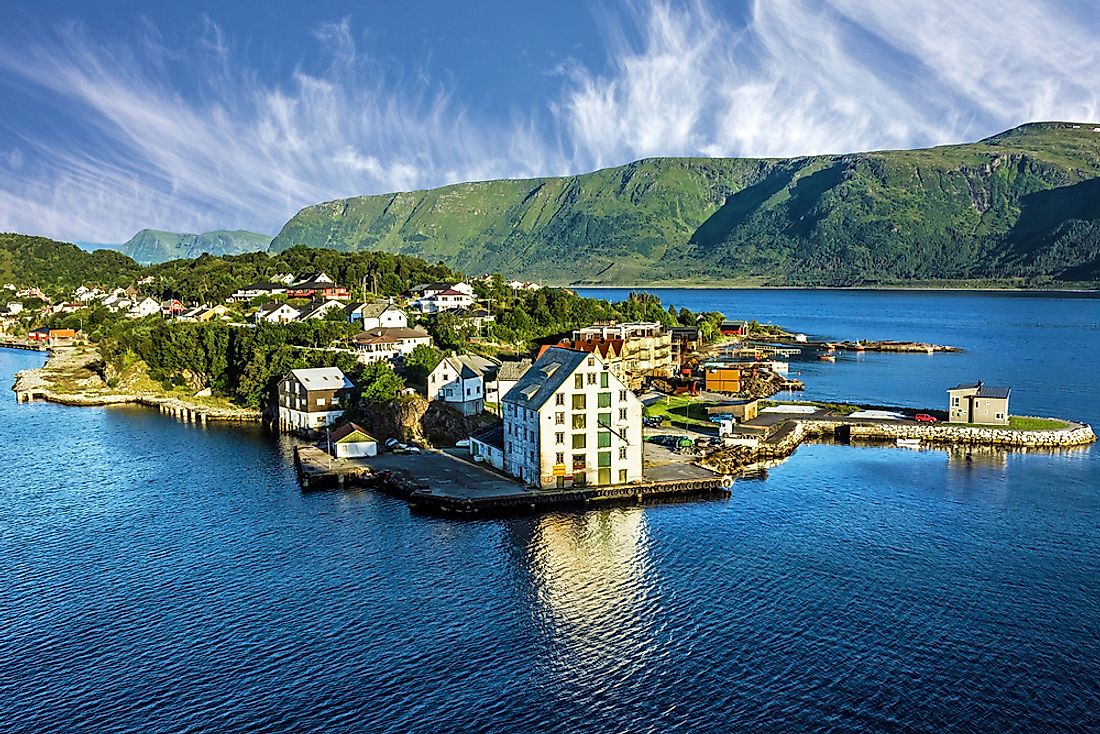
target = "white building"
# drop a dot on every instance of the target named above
(487, 446)
(275, 313)
(255, 290)
(460, 382)
(505, 379)
(319, 309)
(390, 343)
(570, 422)
(350, 441)
(310, 399)
(148, 307)
(380, 314)
(447, 300)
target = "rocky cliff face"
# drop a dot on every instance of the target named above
(154, 246)
(1022, 205)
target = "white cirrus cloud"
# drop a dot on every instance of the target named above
(790, 77)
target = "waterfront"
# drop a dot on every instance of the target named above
(170, 577)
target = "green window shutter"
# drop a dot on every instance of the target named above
(604, 438)
(603, 400)
(603, 459)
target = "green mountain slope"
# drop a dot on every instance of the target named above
(155, 246)
(58, 267)
(1021, 207)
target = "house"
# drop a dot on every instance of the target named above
(730, 327)
(53, 337)
(275, 313)
(171, 307)
(450, 299)
(570, 422)
(645, 348)
(67, 307)
(318, 309)
(459, 382)
(309, 399)
(430, 289)
(723, 378)
(318, 289)
(376, 314)
(978, 403)
(13, 308)
(742, 410)
(505, 379)
(349, 441)
(475, 316)
(256, 290)
(147, 307)
(204, 313)
(519, 285)
(313, 277)
(487, 445)
(401, 341)
(684, 341)
(376, 348)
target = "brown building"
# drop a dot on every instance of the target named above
(310, 399)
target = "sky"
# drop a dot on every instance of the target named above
(117, 115)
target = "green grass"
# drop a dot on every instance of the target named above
(1028, 423)
(680, 410)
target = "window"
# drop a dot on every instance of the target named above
(559, 399)
(622, 414)
(603, 400)
(954, 401)
(580, 420)
(603, 419)
(559, 458)
(578, 381)
(578, 440)
(579, 402)
(578, 461)
(603, 441)
(622, 394)
(1000, 416)
(559, 418)
(603, 459)
(622, 476)
(559, 437)
(622, 452)
(591, 378)
(605, 380)
(320, 401)
(591, 361)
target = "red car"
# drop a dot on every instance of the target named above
(924, 418)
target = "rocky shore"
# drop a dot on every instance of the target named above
(71, 377)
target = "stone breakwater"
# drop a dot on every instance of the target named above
(790, 435)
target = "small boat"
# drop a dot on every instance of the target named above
(909, 443)
(858, 347)
(827, 357)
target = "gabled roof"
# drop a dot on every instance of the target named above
(395, 332)
(370, 310)
(350, 432)
(452, 292)
(315, 307)
(322, 378)
(471, 365)
(546, 375)
(269, 308)
(984, 391)
(492, 435)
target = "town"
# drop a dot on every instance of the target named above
(418, 393)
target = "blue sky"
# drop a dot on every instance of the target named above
(186, 116)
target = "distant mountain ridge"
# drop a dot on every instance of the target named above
(156, 246)
(1021, 207)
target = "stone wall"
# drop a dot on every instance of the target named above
(1073, 435)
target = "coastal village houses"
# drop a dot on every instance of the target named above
(389, 343)
(256, 290)
(978, 403)
(147, 307)
(309, 399)
(459, 382)
(438, 297)
(275, 313)
(570, 422)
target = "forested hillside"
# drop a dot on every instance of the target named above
(1020, 207)
(58, 267)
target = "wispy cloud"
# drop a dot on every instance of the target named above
(793, 77)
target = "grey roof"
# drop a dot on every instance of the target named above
(512, 371)
(370, 310)
(322, 378)
(471, 365)
(493, 435)
(984, 391)
(545, 377)
(395, 332)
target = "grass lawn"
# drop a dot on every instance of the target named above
(681, 410)
(1027, 423)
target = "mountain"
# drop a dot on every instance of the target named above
(58, 267)
(155, 246)
(1021, 207)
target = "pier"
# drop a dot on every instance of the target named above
(25, 346)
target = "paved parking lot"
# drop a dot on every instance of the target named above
(661, 464)
(447, 472)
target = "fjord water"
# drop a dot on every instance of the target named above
(163, 577)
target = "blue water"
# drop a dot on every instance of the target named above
(163, 577)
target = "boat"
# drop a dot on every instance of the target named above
(827, 357)
(909, 443)
(858, 347)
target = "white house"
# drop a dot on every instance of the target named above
(275, 313)
(446, 300)
(255, 290)
(460, 382)
(148, 307)
(314, 277)
(319, 309)
(487, 446)
(570, 422)
(392, 342)
(349, 441)
(309, 399)
(505, 379)
(380, 314)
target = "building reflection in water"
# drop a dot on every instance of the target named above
(595, 598)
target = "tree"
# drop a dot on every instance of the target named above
(379, 383)
(420, 362)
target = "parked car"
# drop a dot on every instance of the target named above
(719, 417)
(924, 418)
(392, 443)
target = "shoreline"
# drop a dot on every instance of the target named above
(867, 288)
